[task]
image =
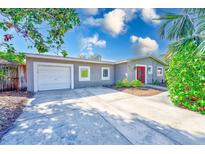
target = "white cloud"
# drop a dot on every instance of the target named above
(149, 14)
(88, 43)
(92, 21)
(90, 11)
(113, 22)
(133, 38)
(144, 45)
(130, 13)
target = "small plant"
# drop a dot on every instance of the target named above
(156, 82)
(136, 83)
(126, 83)
(119, 84)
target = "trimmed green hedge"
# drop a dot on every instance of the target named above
(186, 80)
(136, 83)
(126, 84)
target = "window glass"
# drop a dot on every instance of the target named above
(159, 71)
(105, 72)
(149, 69)
(84, 73)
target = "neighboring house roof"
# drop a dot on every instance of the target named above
(43, 56)
(143, 57)
(6, 62)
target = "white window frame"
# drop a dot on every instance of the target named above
(105, 78)
(84, 79)
(151, 69)
(162, 71)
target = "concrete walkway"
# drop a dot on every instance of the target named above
(104, 116)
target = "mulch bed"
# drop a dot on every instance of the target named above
(11, 106)
(139, 91)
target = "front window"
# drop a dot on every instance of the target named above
(105, 73)
(149, 70)
(159, 71)
(84, 73)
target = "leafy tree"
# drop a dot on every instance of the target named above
(13, 57)
(44, 28)
(185, 74)
(64, 53)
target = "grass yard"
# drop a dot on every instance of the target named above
(11, 106)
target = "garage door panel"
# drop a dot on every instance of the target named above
(53, 86)
(53, 77)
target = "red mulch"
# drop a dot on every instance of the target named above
(11, 106)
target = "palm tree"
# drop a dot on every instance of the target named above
(186, 27)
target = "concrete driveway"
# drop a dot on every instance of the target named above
(104, 116)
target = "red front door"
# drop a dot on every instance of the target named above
(140, 73)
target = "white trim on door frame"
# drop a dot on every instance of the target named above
(145, 71)
(35, 72)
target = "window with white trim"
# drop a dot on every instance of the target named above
(149, 69)
(84, 73)
(105, 73)
(159, 71)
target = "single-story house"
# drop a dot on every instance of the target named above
(48, 72)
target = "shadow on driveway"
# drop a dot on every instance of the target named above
(98, 116)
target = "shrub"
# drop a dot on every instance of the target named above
(186, 80)
(156, 82)
(126, 83)
(119, 84)
(136, 83)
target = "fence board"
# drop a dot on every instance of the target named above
(9, 81)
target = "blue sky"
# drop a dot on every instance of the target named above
(113, 33)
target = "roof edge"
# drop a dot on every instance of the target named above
(153, 57)
(29, 55)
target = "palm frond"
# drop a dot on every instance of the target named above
(201, 48)
(197, 11)
(189, 44)
(177, 26)
(200, 25)
(162, 29)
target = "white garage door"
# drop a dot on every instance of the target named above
(53, 77)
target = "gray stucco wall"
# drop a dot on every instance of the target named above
(95, 73)
(146, 61)
(120, 71)
(29, 71)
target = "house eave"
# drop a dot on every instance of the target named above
(67, 59)
(153, 57)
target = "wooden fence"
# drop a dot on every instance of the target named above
(13, 77)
